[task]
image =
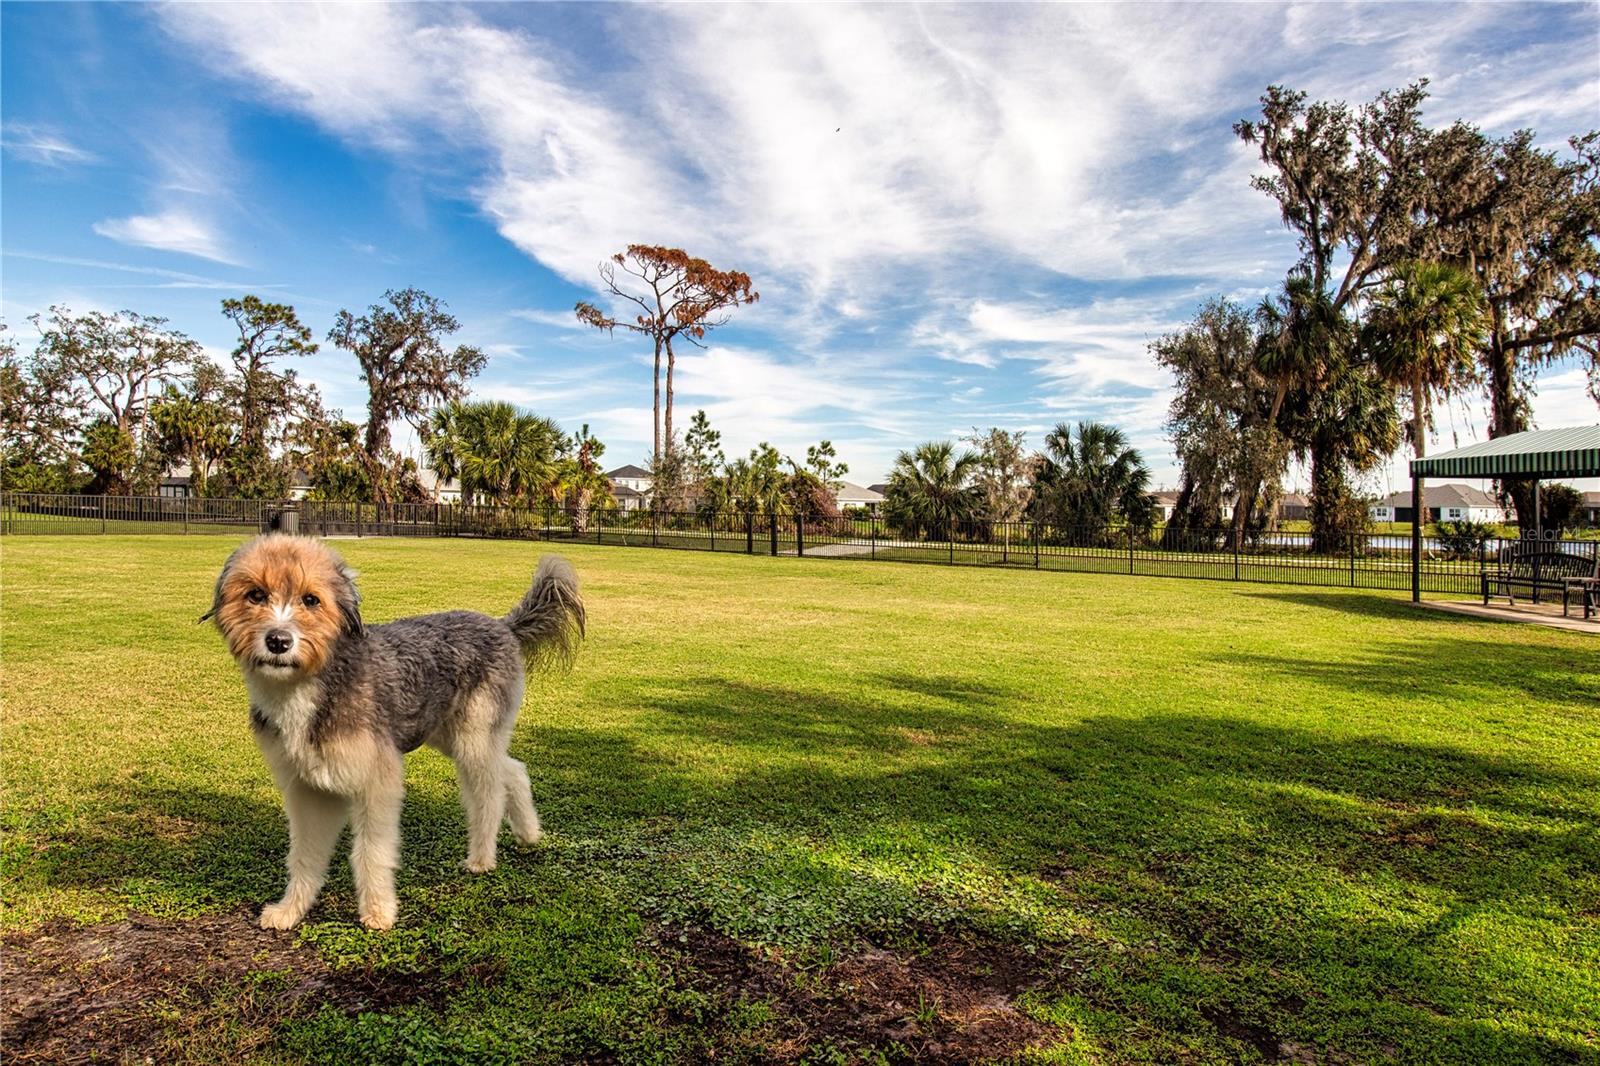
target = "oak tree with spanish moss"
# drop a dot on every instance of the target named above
(405, 365)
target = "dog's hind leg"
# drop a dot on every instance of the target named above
(315, 821)
(375, 852)
(483, 795)
(520, 811)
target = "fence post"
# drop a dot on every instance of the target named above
(1353, 537)
(799, 532)
(772, 527)
(950, 533)
(186, 514)
(655, 529)
(1130, 549)
(102, 514)
(1235, 558)
(749, 532)
(872, 535)
(1033, 529)
(711, 523)
(599, 526)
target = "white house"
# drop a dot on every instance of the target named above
(853, 495)
(1166, 501)
(1442, 503)
(630, 486)
(443, 490)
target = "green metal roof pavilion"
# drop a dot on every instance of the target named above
(1537, 454)
(1541, 453)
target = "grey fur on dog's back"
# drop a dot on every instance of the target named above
(413, 673)
(409, 677)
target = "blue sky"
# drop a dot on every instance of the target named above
(957, 216)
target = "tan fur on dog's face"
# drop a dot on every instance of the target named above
(279, 590)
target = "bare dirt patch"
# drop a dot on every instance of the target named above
(145, 988)
(954, 1001)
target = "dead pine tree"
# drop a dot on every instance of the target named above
(677, 296)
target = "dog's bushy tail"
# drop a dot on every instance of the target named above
(550, 619)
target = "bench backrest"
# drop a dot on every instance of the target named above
(1551, 564)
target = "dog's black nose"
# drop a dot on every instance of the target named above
(279, 642)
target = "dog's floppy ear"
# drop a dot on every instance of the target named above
(222, 579)
(349, 600)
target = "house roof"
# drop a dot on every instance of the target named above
(623, 492)
(853, 493)
(881, 488)
(1165, 496)
(1448, 495)
(1295, 499)
(1570, 452)
(629, 471)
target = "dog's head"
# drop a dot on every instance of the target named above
(283, 603)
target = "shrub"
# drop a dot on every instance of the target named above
(1463, 539)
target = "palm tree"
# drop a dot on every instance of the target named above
(579, 480)
(930, 490)
(1086, 479)
(1426, 326)
(497, 452)
(1348, 422)
(194, 429)
(1303, 342)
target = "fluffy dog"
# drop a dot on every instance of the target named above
(335, 704)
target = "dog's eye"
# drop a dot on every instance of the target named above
(256, 595)
(309, 600)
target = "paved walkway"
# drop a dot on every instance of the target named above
(835, 550)
(1542, 614)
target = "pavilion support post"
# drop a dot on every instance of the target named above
(1416, 537)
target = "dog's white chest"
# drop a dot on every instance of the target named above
(290, 711)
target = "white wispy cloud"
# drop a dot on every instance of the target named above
(932, 173)
(174, 230)
(42, 144)
(546, 317)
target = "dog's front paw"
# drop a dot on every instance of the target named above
(281, 916)
(379, 916)
(478, 866)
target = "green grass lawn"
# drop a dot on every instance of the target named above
(832, 811)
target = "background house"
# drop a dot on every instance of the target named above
(441, 490)
(176, 483)
(1166, 501)
(1442, 503)
(1294, 507)
(853, 495)
(630, 486)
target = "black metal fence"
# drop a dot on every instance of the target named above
(1355, 560)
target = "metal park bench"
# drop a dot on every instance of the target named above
(1538, 569)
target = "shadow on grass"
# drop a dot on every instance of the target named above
(1258, 866)
(1366, 604)
(1380, 898)
(1482, 670)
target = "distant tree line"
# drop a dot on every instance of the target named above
(107, 403)
(1086, 482)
